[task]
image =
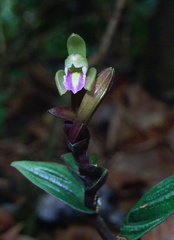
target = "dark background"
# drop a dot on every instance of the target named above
(132, 131)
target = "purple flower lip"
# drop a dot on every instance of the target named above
(74, 81)
(76, 68)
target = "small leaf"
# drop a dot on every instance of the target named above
(152, 209)
(93, 158)
(63, 112)
(57, 180)
(76, 45)
(71, 161)
(101, 175)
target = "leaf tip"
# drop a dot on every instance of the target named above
(13, 164)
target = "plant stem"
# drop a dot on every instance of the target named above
(101, 227)
(74, 133)
(76, 99)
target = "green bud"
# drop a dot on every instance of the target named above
(92, 99)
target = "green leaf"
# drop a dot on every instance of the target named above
(76, 45)
(93, 158)
(71, 161)
(152, 209)
(57, 180)
(101, 175)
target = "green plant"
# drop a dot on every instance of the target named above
(78, 182)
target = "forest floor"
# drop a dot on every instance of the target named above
(133, 135)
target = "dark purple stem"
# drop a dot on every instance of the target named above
(101, 227)
(77, 136)
(75, 131)
(76, 99)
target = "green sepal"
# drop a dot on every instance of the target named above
(71, 161)
(57, 180)
(59, 82)
(152, 209)
(93, 158)
(76, 45)
(90, 79)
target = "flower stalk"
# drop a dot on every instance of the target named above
(101, 227)
(75, 78)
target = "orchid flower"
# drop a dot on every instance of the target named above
(76, 74)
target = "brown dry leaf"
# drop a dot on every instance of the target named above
(152, 166)
(6, 220)
(76, 232)
(117, 180)
(7, 193)
(133, 117)
(24, 237)
(134, 108)
(129, 188)
(12, 233)
(39, 129)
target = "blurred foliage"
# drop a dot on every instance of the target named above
(140, 14)
(4, 96)
(35, 31)
(42, 27)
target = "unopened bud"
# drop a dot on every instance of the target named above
(92, 99)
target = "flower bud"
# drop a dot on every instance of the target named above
(92, 99)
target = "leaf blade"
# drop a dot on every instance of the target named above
(153, 208)
(57, 180)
